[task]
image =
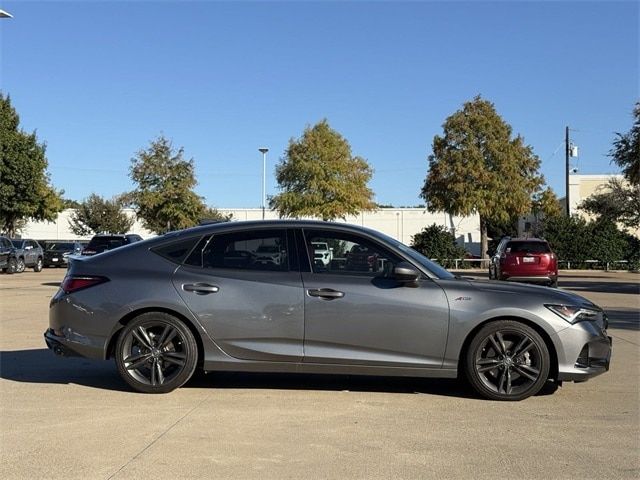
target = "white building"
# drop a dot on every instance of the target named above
(399, 223)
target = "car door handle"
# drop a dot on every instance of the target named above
(200, 288)
(327, 293)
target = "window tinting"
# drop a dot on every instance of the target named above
(176, 251)
(527, 247)
(344, 253)
(254, 250)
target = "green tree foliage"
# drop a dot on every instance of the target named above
(97, 215)
(25, 189)
(620, 201)
(576, 240)
(626, 150)
(164, 198)
(617, 202)
(437, 242)
(319, 177)
(477, 166)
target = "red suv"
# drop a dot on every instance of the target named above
(524, 260)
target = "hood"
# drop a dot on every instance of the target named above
(550, 295)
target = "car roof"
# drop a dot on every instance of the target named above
(527, 240)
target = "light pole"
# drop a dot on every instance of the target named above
(4, 14)
(264, 151)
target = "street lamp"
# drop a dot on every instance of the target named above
(264, 151)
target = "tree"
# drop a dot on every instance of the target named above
(545, 204)
(97, 215)
(437, 242)
(616, 202)
(25, 189)
(619, 201)
(164, 198)
(320, 178)
(478, 167)
(626, 150)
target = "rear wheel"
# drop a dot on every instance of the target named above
(156, 353)
(507, 360)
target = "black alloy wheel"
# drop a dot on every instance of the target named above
(156, 353)
(507, 360)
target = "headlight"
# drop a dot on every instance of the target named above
(573, 313)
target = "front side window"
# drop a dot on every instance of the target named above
(348, 254)
(250, 250)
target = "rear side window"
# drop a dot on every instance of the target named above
(528, 247)
(176, 251)
(251, 250)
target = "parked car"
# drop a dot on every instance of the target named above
(268, 253)
(524, 260)
(168, 305)
(22, 253)
(56, 253)
(101, 243)
(361, 258)
(322, 252)
(8, 262)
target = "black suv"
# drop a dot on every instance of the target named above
(101, 243)
(18, 254)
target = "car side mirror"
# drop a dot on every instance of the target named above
(406, 273)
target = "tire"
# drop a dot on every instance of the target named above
(554, 284)
(496, 371)
(12, 266)
(21, 266)
(491, 276)
(38, 266)
(156, 353)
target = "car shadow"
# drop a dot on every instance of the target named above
(50, 284)
(42, 366)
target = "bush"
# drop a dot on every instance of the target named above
(437, 242)
(576, 240)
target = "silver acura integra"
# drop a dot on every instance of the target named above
(208, 298)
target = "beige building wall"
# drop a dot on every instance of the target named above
(399, 223)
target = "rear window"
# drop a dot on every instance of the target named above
(106, 242)
(528, 247)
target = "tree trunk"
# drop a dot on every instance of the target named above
(484, 245)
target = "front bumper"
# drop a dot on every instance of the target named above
(587, 351)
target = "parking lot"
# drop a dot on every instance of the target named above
(75, 418)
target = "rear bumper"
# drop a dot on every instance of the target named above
(546, 278)
(63, 347)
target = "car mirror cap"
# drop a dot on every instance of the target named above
(404, 272)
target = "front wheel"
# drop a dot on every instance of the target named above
(156, 353)
(21, 266)
(38, 266)
(507, 360)
(12, 266)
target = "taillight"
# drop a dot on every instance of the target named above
(74, 283)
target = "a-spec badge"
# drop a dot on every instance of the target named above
(460, 299)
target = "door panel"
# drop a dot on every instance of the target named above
(377, 321)
(240, 287)
(355, 313)
(253, 315)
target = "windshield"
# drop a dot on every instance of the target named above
(17, 243)
(268, 249)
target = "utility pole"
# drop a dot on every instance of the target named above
(264, 151)
(566, 155)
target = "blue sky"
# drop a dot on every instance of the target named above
(99, 80)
